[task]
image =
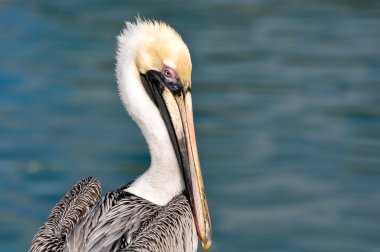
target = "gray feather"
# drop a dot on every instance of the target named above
(66, 213)
(171, 230)
(118, 221)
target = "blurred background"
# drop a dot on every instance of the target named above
(287, 113)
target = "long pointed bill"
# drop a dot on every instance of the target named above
(177, 112)
(181, 112)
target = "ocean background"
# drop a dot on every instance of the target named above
(286, 98)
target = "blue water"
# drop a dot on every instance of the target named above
(287, 113)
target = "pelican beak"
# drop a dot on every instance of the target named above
(175, 105)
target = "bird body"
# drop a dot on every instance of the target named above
(164, 208)
(118, 221)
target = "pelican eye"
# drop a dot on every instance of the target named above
(169, 73)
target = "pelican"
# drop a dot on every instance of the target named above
(164, 209)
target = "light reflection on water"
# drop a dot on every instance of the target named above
(287, 111)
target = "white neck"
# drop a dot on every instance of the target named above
(163, 180)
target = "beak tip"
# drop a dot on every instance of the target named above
(207, 243)
(206, 240)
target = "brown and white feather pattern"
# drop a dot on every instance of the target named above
(119, 221)
(66, 214)
(171, 230)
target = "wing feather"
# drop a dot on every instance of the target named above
(117, 215)
(66, 214)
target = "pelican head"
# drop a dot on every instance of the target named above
(153, 71)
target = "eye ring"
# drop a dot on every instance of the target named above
(169, 73)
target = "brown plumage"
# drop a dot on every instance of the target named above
(66, 214)
(118, 221)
